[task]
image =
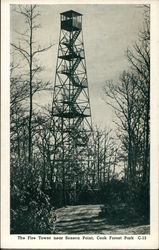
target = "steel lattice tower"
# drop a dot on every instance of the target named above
(71, 104)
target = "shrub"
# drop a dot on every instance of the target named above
(31, 214)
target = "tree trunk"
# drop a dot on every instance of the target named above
(30, 85)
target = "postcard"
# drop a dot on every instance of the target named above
(80, 116)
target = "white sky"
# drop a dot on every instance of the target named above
(107, 30)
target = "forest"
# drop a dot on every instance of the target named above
(117, 175)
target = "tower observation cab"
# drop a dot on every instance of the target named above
(71, 20)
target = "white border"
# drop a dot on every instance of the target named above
(10, 241)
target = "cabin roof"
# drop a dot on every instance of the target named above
(70, 13)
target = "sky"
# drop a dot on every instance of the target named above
(108, 30)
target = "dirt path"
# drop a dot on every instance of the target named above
(84, 220)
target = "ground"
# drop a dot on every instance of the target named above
(84, 219)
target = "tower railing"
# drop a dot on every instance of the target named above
(66, 98)
(65, 69)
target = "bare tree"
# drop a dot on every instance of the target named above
(139, 58)
(104, 150)
(130, 99)
(29, 50)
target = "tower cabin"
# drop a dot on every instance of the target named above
(71, 20)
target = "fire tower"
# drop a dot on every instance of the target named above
(71, 105)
